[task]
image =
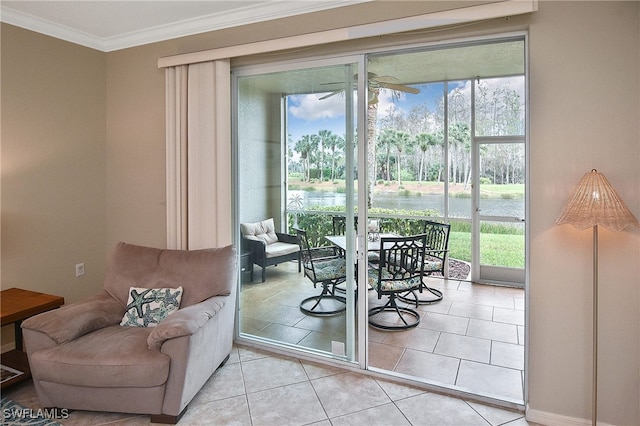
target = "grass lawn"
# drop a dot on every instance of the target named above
(496, 249)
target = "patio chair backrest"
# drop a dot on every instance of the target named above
(401, 258)
(340, 224)
(437, 236)
(305, 254)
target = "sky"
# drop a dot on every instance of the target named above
(307, 114)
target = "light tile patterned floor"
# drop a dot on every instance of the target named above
(472, 340)
(258, 388)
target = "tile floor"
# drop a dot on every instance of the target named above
(259, 388)
(472, 340)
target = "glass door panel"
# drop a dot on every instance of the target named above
(499, 113)
(295, 163)
(457, 95)
(501, 213)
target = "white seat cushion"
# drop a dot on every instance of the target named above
(280, 249)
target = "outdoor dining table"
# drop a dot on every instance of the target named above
(374, 246)
(341, 241)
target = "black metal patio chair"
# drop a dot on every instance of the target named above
(323, 267)
(399, 271)
(436, 252)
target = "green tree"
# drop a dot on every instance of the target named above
(401, 141)
(323, 142)
(385, 141)
(424, 141)
(460, 149)
(303, 147)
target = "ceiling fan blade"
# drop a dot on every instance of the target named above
(331, 94)
(383, 79)
(400, 88)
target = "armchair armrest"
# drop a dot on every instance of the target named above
(186, 321)
(77, 319)
(257, 247)
(287, 238)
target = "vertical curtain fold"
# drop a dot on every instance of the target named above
(198, 104)
(176, 156)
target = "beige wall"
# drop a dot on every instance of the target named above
(585, 104)
(584, 115)
(53, 167)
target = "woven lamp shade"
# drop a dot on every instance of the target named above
(595, 202)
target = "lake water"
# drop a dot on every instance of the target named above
(458, 207)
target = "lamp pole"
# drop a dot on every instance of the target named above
(594, 390)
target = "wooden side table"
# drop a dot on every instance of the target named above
(18, 305)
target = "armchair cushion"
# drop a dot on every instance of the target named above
(202, 273)
(146, 307)
(281, 249)
(264, 231)
(82, 362)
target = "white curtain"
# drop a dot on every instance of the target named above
(198, 108)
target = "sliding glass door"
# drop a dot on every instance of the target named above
(432, 133)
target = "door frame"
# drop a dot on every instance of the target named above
(487, 274)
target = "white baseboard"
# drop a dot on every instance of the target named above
(551, 419)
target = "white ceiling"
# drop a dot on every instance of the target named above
(113, 25)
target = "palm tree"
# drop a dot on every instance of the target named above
(375, 83)
(386, 140)
(460, 147)
(334, 143)
(401, 141)
(323, 140)
(424, 141)
(303, 147)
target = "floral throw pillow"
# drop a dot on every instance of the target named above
(146, 307)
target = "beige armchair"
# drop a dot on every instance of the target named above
(82, 358)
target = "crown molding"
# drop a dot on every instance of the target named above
(42, 26)
(240, 16)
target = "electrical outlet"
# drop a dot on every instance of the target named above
(79, 269)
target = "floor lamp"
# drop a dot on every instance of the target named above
(595, 203)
